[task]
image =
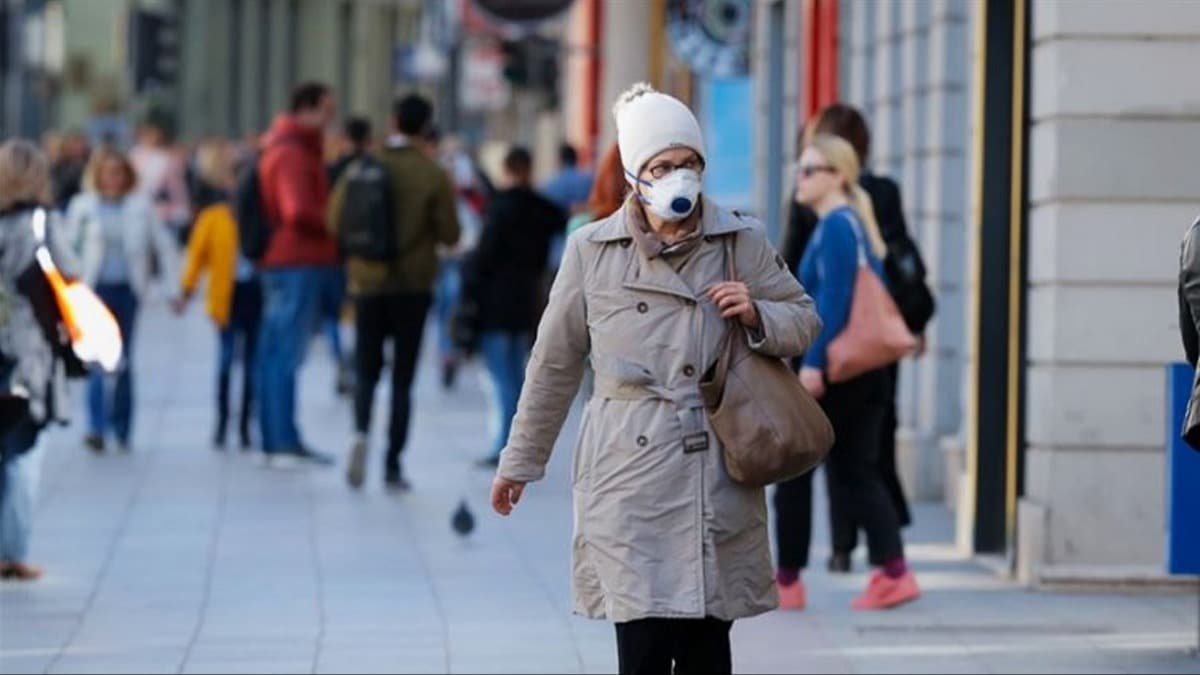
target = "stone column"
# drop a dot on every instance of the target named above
(624, 40)
(317, 41)
(906, 67)
(775, 110)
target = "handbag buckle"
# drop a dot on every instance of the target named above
(697, 442)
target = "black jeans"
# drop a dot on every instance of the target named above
(844, 529)
(858, 492)
(649, 646)
(245, 315)
(401, 318)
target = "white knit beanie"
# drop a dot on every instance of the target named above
(649, 122)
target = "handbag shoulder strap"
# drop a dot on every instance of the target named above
(720, 369)
(729, 243)
(860, 245)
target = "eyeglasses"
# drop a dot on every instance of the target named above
(660, 169)
(808, 170)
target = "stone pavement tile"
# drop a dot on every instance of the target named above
(1169, 662)
(253, 647)
(381, 660)
(253, 652)
(1033, 663)
(273, 667)
(272, 629)
(21, 630)
(132, 629)
(337, 639)
(14, 664)
(528, 663)
(778, 661)
(604, 666)
(129, 660)
(938, 664)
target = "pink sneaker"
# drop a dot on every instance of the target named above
(885, 593)
(793, 596)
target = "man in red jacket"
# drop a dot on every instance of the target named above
(300, 261)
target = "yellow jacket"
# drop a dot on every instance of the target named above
(213, 245)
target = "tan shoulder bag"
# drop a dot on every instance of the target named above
(771, 428)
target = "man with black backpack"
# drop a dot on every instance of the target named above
(281, 203)
(390, 212)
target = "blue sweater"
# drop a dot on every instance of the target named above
(828, 271)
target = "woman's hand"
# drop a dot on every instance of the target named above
(733, 299)
(505, 495)
(813, 380)
(180, 302)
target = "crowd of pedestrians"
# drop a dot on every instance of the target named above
(650, 280)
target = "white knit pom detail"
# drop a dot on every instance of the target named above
(636, 91)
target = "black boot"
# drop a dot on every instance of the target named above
(222, 411)
(247, 417)
(219, 432)
(244, 435)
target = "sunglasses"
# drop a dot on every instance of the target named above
(809, 170)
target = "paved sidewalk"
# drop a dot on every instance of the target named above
(176, 558)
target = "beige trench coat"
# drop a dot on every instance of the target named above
(659, 531)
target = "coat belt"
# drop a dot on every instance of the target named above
(689, 407)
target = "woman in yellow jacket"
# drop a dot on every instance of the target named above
(234, 294)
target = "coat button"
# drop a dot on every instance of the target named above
(625, 243)
(689, 371)
(642, 308)
(642, 441)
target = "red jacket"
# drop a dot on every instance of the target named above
(295, 192)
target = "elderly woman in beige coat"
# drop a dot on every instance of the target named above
(666, 545)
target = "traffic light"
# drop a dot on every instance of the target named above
(531, 62)
(516, 63)
(155, 53)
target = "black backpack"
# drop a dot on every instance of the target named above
(367, 221)
(905, 271)
(254, 229)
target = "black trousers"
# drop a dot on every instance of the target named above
(245, 316)
(844, 529)
(651, 646)
(858, 492)
(399, 317)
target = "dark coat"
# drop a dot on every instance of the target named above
(1189, 314)
(503, 274)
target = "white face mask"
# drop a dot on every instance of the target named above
(674, 196)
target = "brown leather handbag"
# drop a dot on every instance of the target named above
(875, 335)
(771, 428)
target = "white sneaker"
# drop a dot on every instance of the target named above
(281, 461)
(356, 470)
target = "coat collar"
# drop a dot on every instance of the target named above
(714, 221)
